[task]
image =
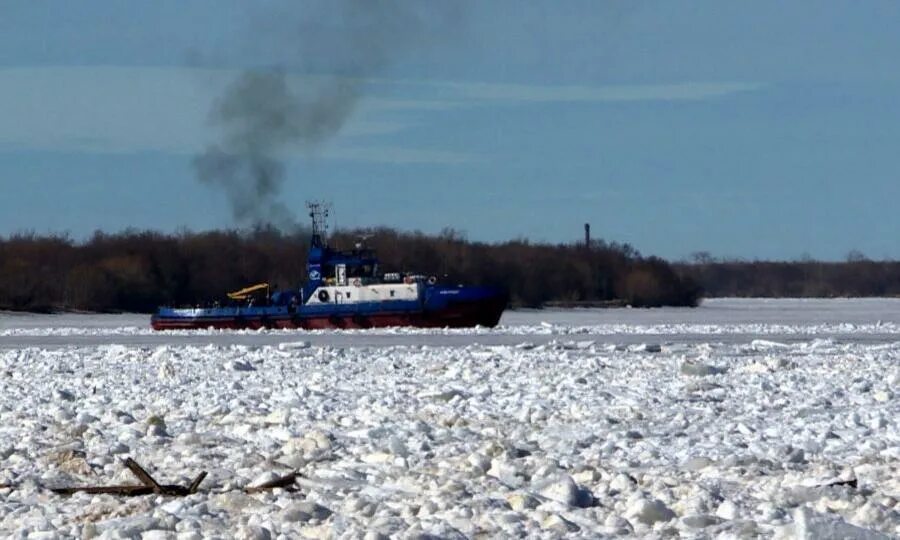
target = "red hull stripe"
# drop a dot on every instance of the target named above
(456, 317)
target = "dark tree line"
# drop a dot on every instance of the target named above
(137, 271)
(855, 277)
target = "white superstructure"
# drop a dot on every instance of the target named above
(359, 293)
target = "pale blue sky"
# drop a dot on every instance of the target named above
(755, 129)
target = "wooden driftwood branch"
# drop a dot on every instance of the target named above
(150, 486)
(852, 483)
(142, 475)
(127, 491)
(196, 483)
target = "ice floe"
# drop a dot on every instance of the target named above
(562, 438)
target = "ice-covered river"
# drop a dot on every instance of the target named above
(742, 418)
(731, 320)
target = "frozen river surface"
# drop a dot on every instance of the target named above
(732, 320)
(743, 418)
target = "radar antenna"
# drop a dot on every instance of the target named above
(318, 212)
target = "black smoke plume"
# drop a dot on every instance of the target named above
(322, 52)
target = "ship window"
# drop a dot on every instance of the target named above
(392, 292)
(348, 295)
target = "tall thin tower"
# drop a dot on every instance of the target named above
(318, 212)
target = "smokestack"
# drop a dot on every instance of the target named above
(587, 236)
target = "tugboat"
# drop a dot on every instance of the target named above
(344, 290)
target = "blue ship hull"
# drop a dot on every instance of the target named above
(439, 307)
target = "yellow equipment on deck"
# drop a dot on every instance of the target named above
(247, 292)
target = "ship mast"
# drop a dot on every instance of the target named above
(318, 212)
